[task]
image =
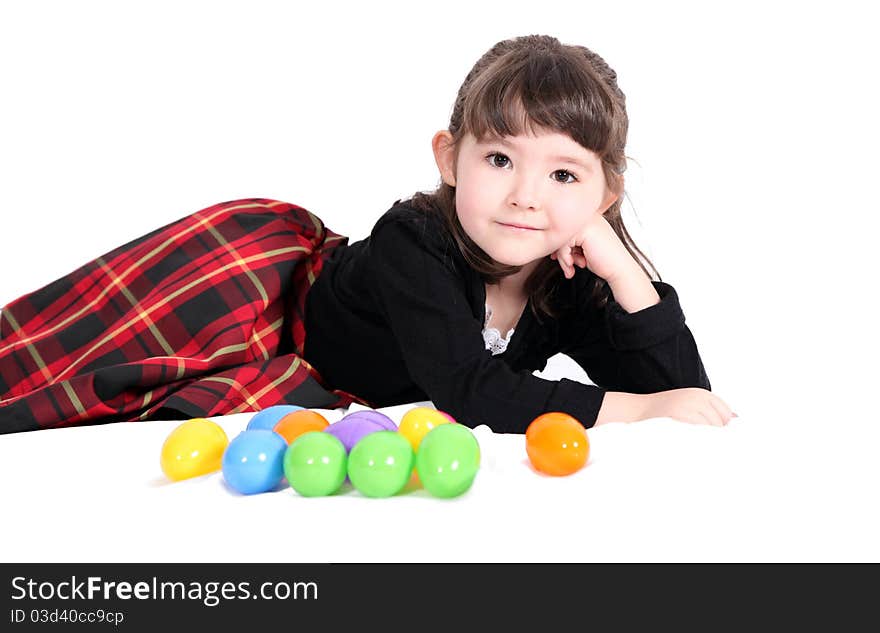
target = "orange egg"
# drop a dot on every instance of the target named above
(557, 444)
(295, 423)
(414, 479)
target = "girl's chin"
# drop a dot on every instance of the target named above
(512, 256)
(510, 261)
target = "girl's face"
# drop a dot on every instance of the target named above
(548, 183)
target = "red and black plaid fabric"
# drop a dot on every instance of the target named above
(202, 317)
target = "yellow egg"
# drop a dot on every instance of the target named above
(194, 448)
(416, 423)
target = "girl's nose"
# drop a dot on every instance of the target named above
(525, 194)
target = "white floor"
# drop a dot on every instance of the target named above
(760, 489)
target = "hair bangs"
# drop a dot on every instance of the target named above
(541, 93)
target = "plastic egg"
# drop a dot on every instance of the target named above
(446, 415)
(192, 449)
(254, 461)
(374, 416)
(351, 429)
(294, 424)
(315, 464)
(448, 460)
(380, 464)
(269, 417)
(557, 444)
(417, 422)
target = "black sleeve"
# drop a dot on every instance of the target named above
(424, 299)
(641, 352)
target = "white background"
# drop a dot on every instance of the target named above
(751, 185)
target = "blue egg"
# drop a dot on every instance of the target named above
(269, 417)
(254, 461)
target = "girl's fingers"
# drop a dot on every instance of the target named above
(572, 259)
(568, 261)
(721, 409)
(562, 265)
(709, 417)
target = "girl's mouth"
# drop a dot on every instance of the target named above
(517, 227)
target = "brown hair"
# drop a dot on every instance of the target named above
(536, 80)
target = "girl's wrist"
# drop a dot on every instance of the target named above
(628, 272)
(633, 289)
(620, 406)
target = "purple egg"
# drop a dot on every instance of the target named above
(349, 430)
(374, 416)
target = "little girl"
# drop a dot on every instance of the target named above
(457, 296)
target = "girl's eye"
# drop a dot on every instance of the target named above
(491, 158)
(567, 173)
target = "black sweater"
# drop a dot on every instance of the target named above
(398, 317)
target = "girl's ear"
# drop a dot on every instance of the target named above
(610, 196)
(444, 155)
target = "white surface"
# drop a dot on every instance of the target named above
(657, 490)
(751, 186)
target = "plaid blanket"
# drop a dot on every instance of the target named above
(201, 317)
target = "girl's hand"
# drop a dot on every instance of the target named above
(597, 247)
(693, 405)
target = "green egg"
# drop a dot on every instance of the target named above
(315, 464)
(380, 464)
(448, 460)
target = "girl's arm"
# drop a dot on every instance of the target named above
(632, 289)
(638, 345)
(619, 406)
(652, 360)
(641, 352)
